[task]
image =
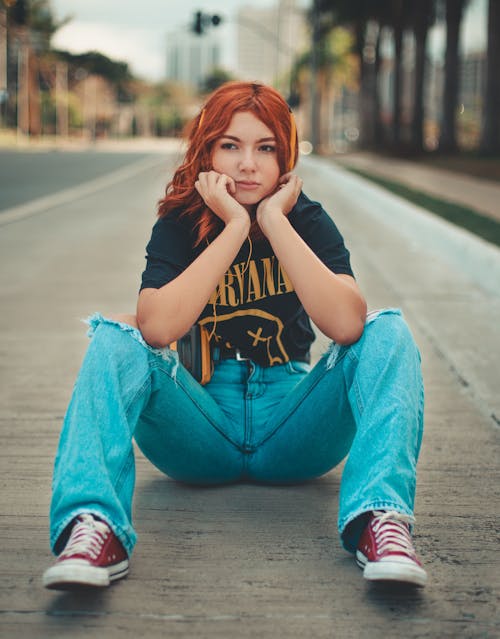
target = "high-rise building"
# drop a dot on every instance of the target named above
(269, 40)
(191, 58)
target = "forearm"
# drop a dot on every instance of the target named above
(333, 302)
(166, 314)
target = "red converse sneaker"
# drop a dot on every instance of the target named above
(385, 550)
(93, 556)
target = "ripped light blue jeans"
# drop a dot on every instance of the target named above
(282, 424)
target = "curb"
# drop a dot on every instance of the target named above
(473, 256)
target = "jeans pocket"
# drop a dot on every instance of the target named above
(295, 367)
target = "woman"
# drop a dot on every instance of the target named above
(242, 255)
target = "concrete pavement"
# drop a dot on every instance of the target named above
(247, 561)
(478, 194)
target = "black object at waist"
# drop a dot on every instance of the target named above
(220, 353)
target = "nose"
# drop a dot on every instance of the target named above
(247, 160)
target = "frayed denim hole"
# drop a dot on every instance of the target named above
(372, 316)
(169, 370)
(164, 353)
(332, 355)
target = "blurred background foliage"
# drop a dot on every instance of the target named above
(335, 84)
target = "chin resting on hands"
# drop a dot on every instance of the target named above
(217, 191)
(283, 199)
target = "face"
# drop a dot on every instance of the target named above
(247, 153)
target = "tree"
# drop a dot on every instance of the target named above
(422, 17)
(454, 10)
(332, 69)
(398, 10)
(37, 16)
(490, 134)
(359, 16)
(117, 73)
(215, 79)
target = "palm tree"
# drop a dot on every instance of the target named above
(358, 14)
(32, 24)
(490, 135)
(397, 16)
(367, 19)
(334, 68)
(454, 10)
(422, 17)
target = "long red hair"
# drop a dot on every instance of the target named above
(206, 128)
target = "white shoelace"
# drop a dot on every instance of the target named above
(87, 537)
(392, 533)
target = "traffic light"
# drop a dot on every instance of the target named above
(198, 23)
(202, 20)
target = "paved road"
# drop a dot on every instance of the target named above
(26, 175)
(246, 561)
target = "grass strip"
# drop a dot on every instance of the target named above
(475, 222)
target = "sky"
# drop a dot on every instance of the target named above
(135, 31)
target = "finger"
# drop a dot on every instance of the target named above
(226, 183)
(203, 179)
(290, 181)
(285, 178)
(220, 178)
(202, 175)
(213, 178)
(231, 185)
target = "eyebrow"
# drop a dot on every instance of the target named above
(236, 139)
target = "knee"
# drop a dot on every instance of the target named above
(390, 328)
(113, 340)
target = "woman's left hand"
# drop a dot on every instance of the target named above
(282, 201)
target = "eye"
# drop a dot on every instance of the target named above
(267, 148)
(228, 145)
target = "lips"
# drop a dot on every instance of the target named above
(247, 184)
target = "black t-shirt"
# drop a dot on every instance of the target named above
(254, 307)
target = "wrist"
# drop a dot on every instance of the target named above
(271, 219)
(239, 224)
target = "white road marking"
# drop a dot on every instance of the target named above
(21, 211)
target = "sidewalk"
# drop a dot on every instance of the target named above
(246, 561)
(480, 195)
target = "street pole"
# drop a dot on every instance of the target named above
(23, 88)
(3, 62)
(314, 114)
(62, 120)
(278, 42)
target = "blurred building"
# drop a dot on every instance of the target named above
(190, 58)
(472, 77)
(269, 40)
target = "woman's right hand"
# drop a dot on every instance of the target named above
(164, 314)
(217, 191)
